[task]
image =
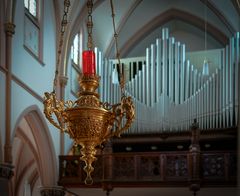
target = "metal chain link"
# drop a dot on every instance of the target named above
(122, 80)
(59, 52)
(90, 25)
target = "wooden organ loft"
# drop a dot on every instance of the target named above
(185, 131)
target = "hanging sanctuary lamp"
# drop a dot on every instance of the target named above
(88, 121)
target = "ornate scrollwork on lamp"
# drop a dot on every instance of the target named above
(88, 121)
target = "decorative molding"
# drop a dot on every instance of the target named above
(63, 80)
(34, 55)
(52, 191)
(27, 88)
(6, 171)
(9, 28)
(23, 85)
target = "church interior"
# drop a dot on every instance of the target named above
(119, 97)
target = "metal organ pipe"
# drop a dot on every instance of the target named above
(169, 92)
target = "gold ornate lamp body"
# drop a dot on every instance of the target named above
(88, 121)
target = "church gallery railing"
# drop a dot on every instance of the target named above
(151, 169)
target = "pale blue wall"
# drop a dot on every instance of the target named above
(21, 100)
(31, 72)
(24, 65)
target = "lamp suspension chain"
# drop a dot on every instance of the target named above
(59, 52)
(122, 80)
(90, 25)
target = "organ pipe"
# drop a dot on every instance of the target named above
(169, 92)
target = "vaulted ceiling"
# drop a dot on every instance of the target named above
(139, 22)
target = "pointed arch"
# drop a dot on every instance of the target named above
(165, 17)
(47, 163)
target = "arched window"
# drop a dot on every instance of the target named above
(76, 49)
(75, 55)
(33, 28)
(76, 61)
(31, 6)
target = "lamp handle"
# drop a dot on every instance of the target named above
(53, 106)
(123, 110)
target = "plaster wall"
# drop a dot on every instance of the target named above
(36, 74)
(21, 100)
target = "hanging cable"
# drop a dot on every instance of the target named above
(122, 80)
(205, 27)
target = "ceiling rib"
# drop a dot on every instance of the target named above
(121, 25)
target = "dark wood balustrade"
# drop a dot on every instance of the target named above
(152, 169)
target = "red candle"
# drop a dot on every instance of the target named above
(89, 67)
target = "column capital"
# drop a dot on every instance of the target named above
(63, 80)
(6, 171)
(52, 191)
(9, 28)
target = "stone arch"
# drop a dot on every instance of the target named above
(46, 162)
(167, 16)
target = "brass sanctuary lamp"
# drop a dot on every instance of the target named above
(88, 121)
